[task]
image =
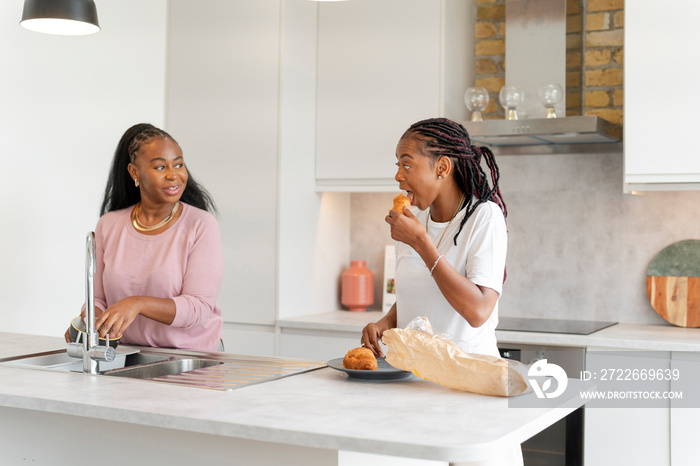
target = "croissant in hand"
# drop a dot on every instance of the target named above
(400, 203)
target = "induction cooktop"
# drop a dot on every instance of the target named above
(575, 327)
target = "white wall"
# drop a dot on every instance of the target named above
(64, 103)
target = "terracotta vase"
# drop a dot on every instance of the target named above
(357, 287)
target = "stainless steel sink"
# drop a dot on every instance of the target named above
(59, 360)
(226, 372)
(217, 371)
(163, 369)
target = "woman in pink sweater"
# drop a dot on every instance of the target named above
(159, 256)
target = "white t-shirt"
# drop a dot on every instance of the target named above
(480, 255)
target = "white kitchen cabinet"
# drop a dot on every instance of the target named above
(661, 102)
(633, 434)
(685, 415)
(321, 345)
(323, 336)
(242, 103)
(381, 67)
(223, 99)
(257, 340)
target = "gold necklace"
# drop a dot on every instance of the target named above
(459, 206)
(141, 227)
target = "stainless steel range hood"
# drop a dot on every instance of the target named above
(538, 131)
(535, 56)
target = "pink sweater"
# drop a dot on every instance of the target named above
(184, 263)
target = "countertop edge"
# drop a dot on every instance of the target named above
(626, 336)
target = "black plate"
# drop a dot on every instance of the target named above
(384, 371)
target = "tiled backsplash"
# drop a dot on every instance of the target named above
(578, 247)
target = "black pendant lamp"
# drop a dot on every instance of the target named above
(62, 17)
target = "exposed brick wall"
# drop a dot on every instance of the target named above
(574, 57)
(603, 52)
(594, 56)
(490, 52)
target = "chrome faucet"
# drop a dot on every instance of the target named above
(90, 350)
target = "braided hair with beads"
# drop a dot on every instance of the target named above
(120, 191)
(443, 137)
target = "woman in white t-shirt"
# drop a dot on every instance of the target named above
(451, 244)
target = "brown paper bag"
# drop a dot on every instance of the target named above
(437, 359)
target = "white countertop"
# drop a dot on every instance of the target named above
(322, 409)
(621, 336)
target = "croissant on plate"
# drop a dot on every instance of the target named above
(360, 359)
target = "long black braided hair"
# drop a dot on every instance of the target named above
(443, 137)
(120, 191)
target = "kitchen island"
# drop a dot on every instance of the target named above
(651, 436)
(58, 417)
